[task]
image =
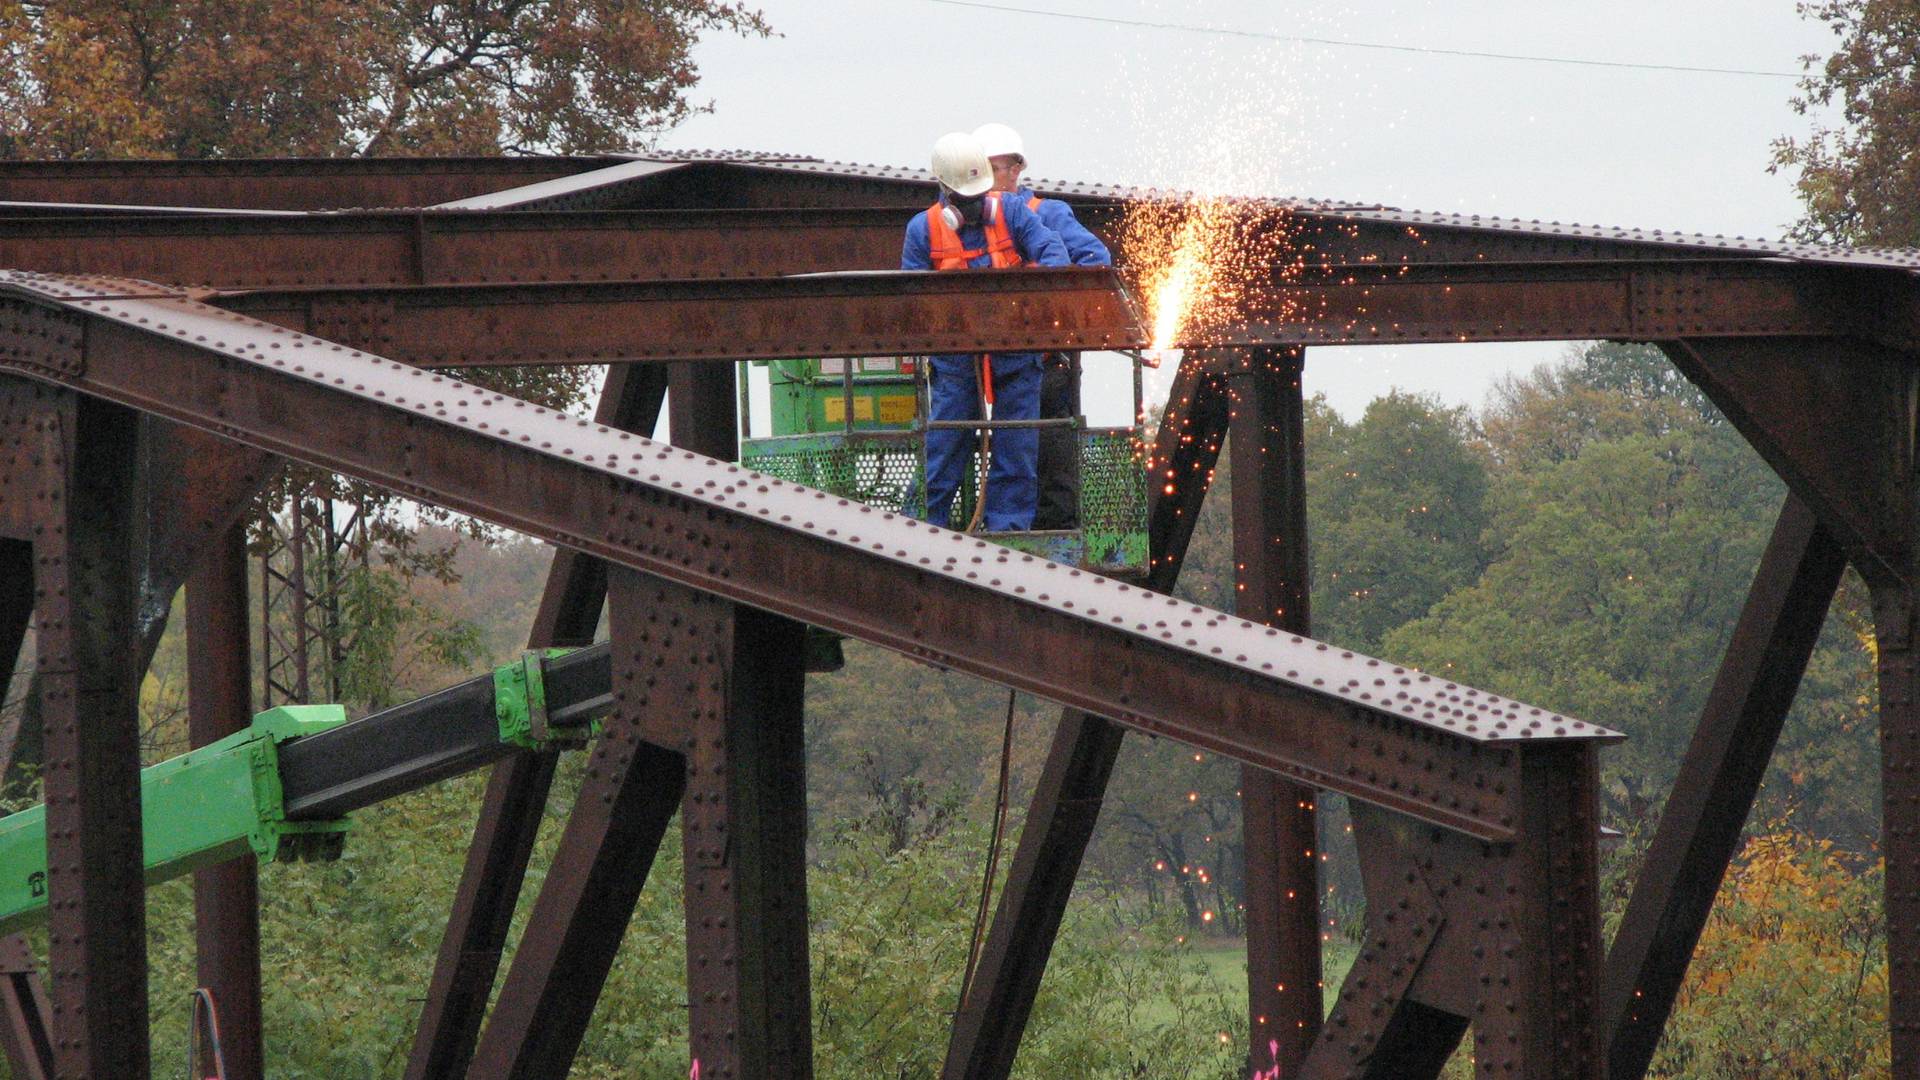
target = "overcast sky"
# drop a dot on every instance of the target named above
(877, 81)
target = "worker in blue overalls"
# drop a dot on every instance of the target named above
(971, 227)
(1059, 465)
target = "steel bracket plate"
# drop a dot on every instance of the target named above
(49, 340)
(520, 705)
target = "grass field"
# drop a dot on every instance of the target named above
(1224, 961)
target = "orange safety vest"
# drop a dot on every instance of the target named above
(948, 253)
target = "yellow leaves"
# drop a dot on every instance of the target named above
(1796, 945)
(74, 94)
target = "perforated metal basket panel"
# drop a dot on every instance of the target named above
(1113, 482)
(883, 470)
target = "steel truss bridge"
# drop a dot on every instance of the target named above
(173, 332)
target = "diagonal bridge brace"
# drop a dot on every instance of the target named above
(1438, 751)
(1463, 933)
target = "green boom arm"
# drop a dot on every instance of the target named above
(232, 797)
(201, 808)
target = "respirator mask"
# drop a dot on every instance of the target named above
(963, 210)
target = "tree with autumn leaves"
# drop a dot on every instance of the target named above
(342, 78)
(1860, 180)
(345, 78)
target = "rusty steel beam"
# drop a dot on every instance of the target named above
(371, 248)
(612, 187)
(16, 615)
(1436, 285)
(25, 1022)
(503, 838)
(475, 938)
(743, 821)
(1307, 231)
(1628, 300)
(1505, 936)
(1832, 418)
(1700, 824)
(749, 994)
(1073, 782)
(26, 1027)
(1345, 282)
(226, 898)
(666, 638)
(1896, 611)
(10, 211)
(207, 483)
(480, 323)
(1444, 752)
(1325, 230)
(1278, 820)
(864, 314)
(282, 183)
(73, 461)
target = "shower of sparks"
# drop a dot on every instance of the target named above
(1201, 262)
(1226, 130)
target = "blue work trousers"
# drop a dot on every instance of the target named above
(1012, 483)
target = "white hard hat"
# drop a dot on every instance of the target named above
(999, 139)
(960, 164)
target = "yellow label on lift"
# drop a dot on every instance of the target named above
(898, 409)
(837, 409)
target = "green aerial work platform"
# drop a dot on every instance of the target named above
(857, 428)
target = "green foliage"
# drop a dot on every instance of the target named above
(394, 632)
(1619, 565)
(349, 946)
(1396, 506)
(1619, 576)
(1598, 393)
(890, 933)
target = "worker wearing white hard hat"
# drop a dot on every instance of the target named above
(1007, 154)
(1059, 499)
(970, 227)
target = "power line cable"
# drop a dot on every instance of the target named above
(1299, 39)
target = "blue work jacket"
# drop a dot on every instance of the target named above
(1084, 248)
(1036, 243)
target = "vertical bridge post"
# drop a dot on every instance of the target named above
(226, 899)
(1267, 449)
(743, 824)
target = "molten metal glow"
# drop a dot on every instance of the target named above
(1202, 261)
(1186, 282)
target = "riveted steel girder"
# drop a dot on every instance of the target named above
(457, 247)
(1835, 419)
(283, 183)
(1415, 742)
(1370, 290)
(884, 313)
(876, 314)
(1622, 300)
